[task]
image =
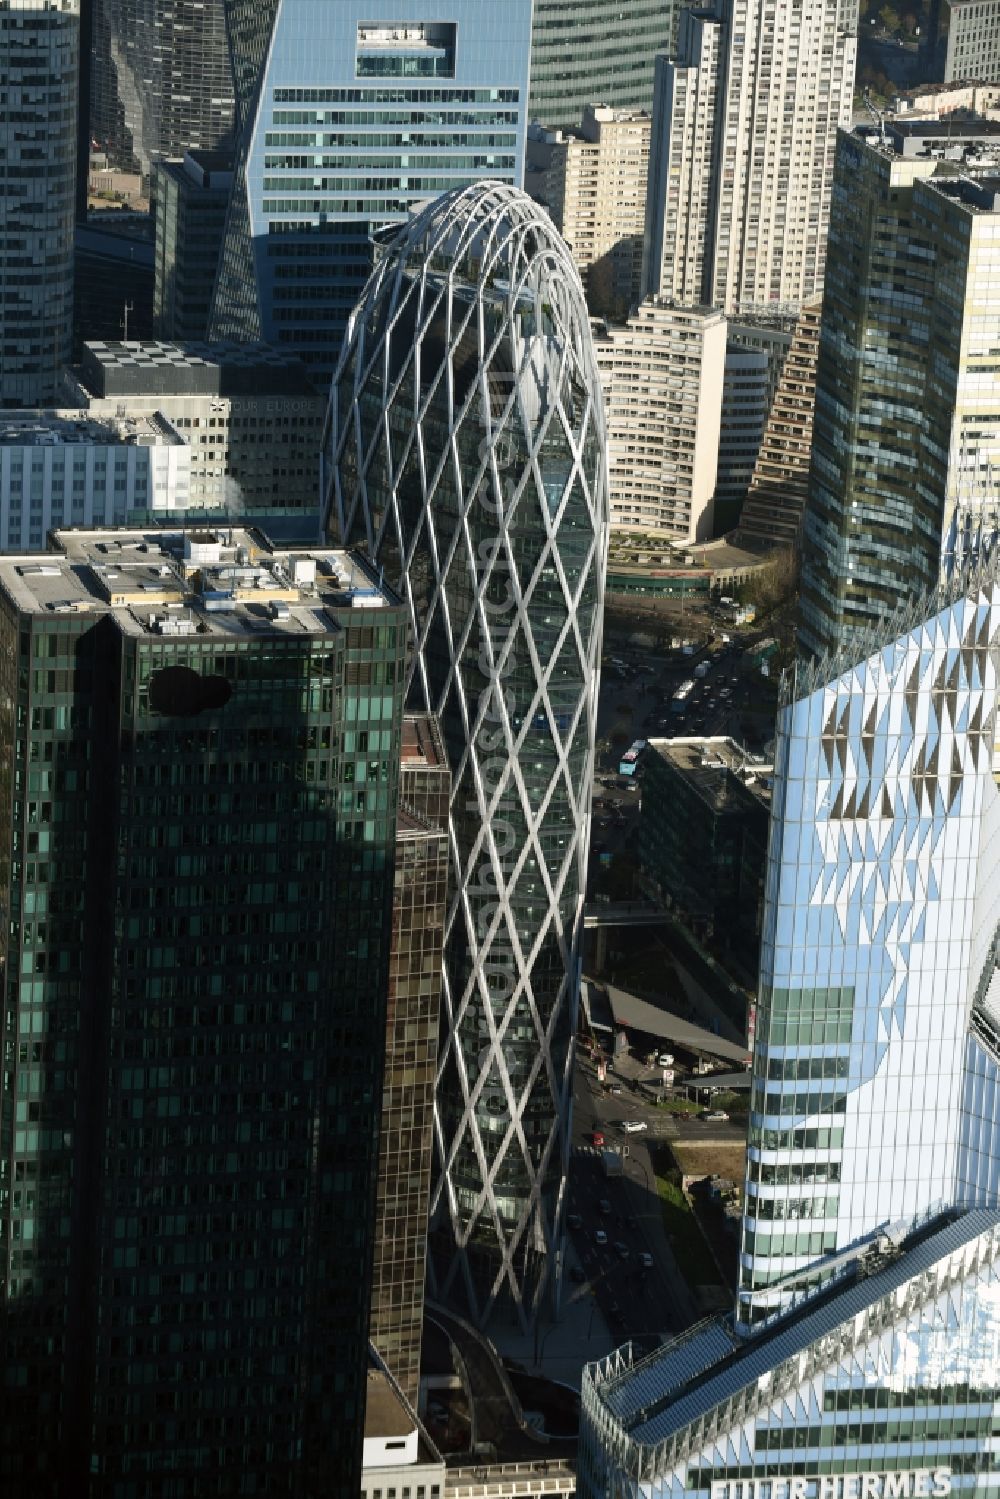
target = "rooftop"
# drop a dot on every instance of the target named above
(386, 1414)
(712, 763)
(113, 367)
(224, 583)
(421, 745)
(684, 1381)
(50, 429)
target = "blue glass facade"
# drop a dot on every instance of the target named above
(346, 121)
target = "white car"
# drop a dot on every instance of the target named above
(633, 1126)
(665, 1059)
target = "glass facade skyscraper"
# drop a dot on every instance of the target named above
(587, 52)
(40, 53)
(866, 1336)
(466, 449)
(161, 81)
(345, 121)
(907, 425)
(199, 751)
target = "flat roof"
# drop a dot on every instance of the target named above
(714, 765)
(385, 1413)
(57, 428)
(421, 742)
(228, 583)
(112, 367)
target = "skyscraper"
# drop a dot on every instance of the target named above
(864, 1356)
(345, 122)
(161, 80)
(466, 449)
(40, 50)
(413, 1015)
(192, 197)
(200, 741)
(744, 127)
(907, 424)
(585, 52)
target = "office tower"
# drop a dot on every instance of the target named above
(413, 1014)
(346, 122)
(756, 349)
(250, 415)
(483, 496)
(965, 35)
(160, 80)
(39, 46)
(587, 53)
(593, 182)
(907, 425)
(864, 1355)
(65, 468)
(197, 887)
(744, 125)
(662, 373)
(772, 512)
(191, 197)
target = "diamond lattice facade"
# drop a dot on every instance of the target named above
(466, 448)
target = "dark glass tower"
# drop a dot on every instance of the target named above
(199, 755)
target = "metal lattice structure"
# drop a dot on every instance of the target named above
(466, 447)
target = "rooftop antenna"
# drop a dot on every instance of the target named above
(129, 307)
(878, 115)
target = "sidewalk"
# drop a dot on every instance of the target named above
(559, 1349)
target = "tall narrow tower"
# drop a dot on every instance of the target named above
(40, 58)
(466, 448)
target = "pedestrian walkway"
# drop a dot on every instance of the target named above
(559, 1347)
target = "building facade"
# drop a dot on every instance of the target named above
(202, 753)
(593, 182)
(191, 196)
(250, 416)
(907, 423)
(412, 1020)
(63, 468)
(40, 47)
(160, 80)
(969, 37)
(862, 1358)
(344, 125)
(772, 511)
(583, 53)
(490, 511)
(663, 373)
(756, 350)
(703, 838)
(744, 127)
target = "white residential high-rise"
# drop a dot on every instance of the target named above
(39, 81)
(744, 131)
(593, 182)
(662, 373)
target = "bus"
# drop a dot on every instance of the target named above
(630, 759)
(678, 702)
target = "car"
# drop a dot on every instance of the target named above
(615, 1089)
(600, 1237)
(665, 1059)
(576, 1275)
(634, 1126)
(574, 1220)
(597, 1137)
(621, 1249)
(715, 1116)
(646, 1259)
(604, 1206)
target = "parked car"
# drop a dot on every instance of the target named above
(716, 1116)
(621, 1249)
(604, 1206)
(600, 1237)
(597, 1137)
(574, 1220)
(634, 1126)
(665, 1059)
(646, 1259)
